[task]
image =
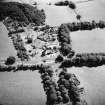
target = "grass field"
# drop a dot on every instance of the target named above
(21, 88)
(88, 41)
(6, 46)
(92, 79)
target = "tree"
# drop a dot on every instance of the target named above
(35, 3)
(67, 76)
(59, 58)
(65, 49)
(10, 60)
(51, 99)
(72, 5)
(66, 98)
(71, 54)
(78, 17)
(63, 34)
(60, 99)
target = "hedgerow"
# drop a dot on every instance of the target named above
(65, 30)
(64, 40)
(66, 3)
(85, 59)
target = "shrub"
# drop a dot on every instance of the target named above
(101, 24)
(29, 40)
(10, 60)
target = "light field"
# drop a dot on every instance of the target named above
(92, 79)
(88, 41)
(6, 46)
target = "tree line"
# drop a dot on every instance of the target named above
(82, 26)
(85, 59)
(19, 46)
(64, 34)
(66, 3)
(20, 67)
(64, 40)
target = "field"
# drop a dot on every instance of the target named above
(92, 79)
(21, 88)
(6, 48)
(88, 41)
